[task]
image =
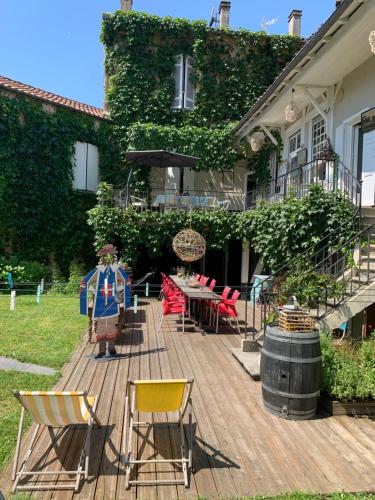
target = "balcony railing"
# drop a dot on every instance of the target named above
(166, 199)
(331, 174)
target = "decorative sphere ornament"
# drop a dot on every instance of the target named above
(189, 245)
(371, 40)
(256, 141)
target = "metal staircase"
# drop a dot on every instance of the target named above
(347, 255)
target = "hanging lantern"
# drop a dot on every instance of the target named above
(256, 141)
(371, 40)
(291, 111)
(189, 245)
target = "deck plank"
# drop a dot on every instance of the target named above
(240, 449)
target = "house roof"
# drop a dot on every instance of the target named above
(50, 98)
(306, 54)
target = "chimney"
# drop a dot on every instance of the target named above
(126, 5)
(338, 3)
(295, 22)
(224, 11)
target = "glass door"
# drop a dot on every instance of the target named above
(295, 177)
(367, 164)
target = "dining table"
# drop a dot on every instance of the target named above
(198, 294)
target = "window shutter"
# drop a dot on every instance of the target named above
(178, 76)
(92, 167)
(79, 168)
(189, 94)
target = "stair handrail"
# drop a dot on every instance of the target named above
(263, 283)
(307, 251)
(343, 246)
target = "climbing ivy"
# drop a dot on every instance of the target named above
(278, 232)
(231, 70)
(41, 216)
(259, 161)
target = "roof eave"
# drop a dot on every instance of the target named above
(292, 65)
(53, 103)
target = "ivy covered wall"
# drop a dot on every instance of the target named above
(41, 216)
(231, 70)
(279, 232)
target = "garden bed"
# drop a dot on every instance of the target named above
(351, 408)
(348, 384)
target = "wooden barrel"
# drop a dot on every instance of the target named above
(290, 373)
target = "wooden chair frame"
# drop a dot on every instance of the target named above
(83, 466)
(186, 460)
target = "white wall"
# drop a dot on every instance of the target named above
(359, 92)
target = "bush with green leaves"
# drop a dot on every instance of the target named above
(311, 288)
(280, 232)
(23, 271)
(348, 369)
(76, 273)
(58, 281)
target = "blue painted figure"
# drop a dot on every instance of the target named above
(108, 284)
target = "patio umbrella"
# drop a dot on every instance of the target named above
(162, 159)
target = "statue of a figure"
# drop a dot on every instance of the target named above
(108, 284)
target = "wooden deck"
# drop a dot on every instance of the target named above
(239, 449)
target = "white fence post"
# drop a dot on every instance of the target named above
(13, 300)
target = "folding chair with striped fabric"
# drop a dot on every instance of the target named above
(158, 396)
(54, 409)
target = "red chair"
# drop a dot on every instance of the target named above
(175, 305)
(213, 305)
(207, 302)
(227, 309)
(203, 280)
(212, 285)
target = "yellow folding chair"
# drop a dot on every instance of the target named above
(54, 409)
(158, 396)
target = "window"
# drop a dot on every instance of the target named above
(228, 180)
(294, 147)
(184, 87)
(319, 137)
(86, 167)
(295, 142)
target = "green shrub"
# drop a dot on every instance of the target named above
(348, 369)
(30, 271)
(58, 282)
(76, 273)
(311, 287)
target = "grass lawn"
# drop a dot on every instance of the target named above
(10, 408)
(44, 334)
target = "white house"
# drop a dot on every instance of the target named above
(326, 92)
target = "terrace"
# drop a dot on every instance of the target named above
(330, 173)
(239, 448)
(160, 199)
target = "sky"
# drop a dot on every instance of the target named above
(55, 45)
